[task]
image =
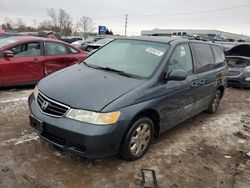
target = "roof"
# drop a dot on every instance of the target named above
(31, 38)
(28, 38)
(164, 39)
(21, 39)
(152, 38)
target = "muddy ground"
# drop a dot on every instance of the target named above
(205, 151)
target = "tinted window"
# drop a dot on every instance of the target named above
(218, 54)
(26, 50)
(54, 48)
(204, 59)
(134, 57)
(181, 59)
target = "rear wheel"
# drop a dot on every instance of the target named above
(215, 102)
(137, 140)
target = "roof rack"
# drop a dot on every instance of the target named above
(197, 38)
(200, 38)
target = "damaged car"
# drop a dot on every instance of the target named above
(126, 93)
(24, 60)
(238, 58)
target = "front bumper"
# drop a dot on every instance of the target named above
(85, 140)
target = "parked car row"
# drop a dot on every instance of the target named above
(85, 45)
(45, 34)
(9, 34)
(92, 43)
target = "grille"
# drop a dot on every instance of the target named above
(234, 73)
(51, 107)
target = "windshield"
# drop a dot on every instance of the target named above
(7, 41)
(134, 57)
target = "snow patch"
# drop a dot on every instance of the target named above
(10, 100)
(22, 139)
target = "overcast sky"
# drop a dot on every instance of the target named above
(142, 14)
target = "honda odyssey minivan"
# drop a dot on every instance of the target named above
(126, 93)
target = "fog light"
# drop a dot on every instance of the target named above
(247, 79)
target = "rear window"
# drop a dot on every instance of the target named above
(218, 54)
(204, 59)
(73, 50)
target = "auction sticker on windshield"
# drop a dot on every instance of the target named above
(154, 51)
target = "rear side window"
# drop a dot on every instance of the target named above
(73, 50)
(218, 54)
(181, 59)
(54, 48)
(204, 60)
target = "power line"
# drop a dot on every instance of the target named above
(195, 12)
(181, 13)
(107, 17)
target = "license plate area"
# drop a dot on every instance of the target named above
(37, 124)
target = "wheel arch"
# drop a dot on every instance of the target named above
(221, 88)
(153, 115)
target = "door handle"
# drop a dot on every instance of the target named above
(194, 84)
(202, 82)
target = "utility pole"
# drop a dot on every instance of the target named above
(34, 24)
(126, 24)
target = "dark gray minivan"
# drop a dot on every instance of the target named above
(126, 93)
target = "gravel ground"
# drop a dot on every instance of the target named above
(205, 151)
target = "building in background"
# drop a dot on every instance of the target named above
(216, 34)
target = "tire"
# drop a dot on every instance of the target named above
(215, 102)
(138, 139)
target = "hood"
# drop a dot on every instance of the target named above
(83, 87)
(241, 50)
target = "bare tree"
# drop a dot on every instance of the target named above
(76, 28)
(46, 25)
(53, 15)
(7, 24)
(87, 26)
(20, 25)
(65, 22)
(61, 21)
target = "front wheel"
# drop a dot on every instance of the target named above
(137, 140)
(215, 102)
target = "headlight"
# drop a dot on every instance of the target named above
(93, 117)
(247, 69)
(35, 92)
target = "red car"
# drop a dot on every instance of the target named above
(26, 60)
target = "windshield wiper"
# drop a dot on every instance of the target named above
(116, 71)
(84, 63)
(91, 66)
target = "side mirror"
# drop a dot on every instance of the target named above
(8, 53)
(177, 75)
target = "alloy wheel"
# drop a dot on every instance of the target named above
(140, 139)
